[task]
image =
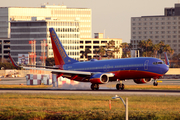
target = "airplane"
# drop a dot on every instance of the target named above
(141, 69)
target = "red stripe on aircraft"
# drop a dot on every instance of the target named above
(133, 74)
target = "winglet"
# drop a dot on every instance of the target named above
(166, 59)
(14, 64)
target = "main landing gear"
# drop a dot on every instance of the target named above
(120, 86)
(94, 86)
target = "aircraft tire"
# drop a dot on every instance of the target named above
(122, 88)
(94, 86)
(155, 83)
(117, 86)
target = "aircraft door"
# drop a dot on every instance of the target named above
(146, 65)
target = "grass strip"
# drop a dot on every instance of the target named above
(92, 107)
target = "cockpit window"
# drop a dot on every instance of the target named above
(156, 63)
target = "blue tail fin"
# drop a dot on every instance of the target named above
(60, 55)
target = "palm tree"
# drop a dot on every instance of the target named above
(155, 49)
(141, 47)
(83, 54)
(87, 51)
(96, 51)
(161, 46)
(147, 44)
(109, 46)
(166, 48)
(101, 51)
(116, 50)
(125, 48)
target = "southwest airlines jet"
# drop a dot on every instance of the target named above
(141, 69)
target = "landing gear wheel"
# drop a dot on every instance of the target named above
(155, 83)
(94, 86)
(120, 86)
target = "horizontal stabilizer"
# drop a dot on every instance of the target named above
(14, 64)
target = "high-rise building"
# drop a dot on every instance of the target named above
(164, 28)
(58, 12)
(76, 20)
(24, 31)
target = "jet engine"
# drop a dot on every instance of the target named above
(99, 78)
(142, 80)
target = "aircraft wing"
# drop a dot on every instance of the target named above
(62, 71)
(71, 72)
(59, 71)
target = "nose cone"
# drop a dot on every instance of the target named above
(165, 69)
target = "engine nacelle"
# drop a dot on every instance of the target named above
(99, 78)
(142, 80)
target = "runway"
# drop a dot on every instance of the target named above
(83, 88)
(102, 91)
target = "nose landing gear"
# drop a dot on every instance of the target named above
(155, 83)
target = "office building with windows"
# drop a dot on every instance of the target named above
(58, 12)
(24, 31)
(164, 28)
(95, 43)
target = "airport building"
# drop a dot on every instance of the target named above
(164, 28)
(58, 12)
(95, 43)
(22, 32)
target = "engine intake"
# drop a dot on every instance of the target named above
(142, 80)
(99, 78)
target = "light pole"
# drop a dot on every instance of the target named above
(125, 105)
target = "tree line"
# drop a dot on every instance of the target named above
(148, 49)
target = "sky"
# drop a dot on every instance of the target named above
(112, 17)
